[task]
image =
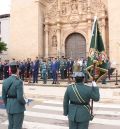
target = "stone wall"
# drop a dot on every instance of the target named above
(26, 29)
(114, 31)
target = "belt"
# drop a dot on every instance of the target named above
(12, 97)
(77, 103)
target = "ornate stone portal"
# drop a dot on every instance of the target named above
(64, 17)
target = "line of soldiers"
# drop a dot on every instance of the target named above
(50, 68)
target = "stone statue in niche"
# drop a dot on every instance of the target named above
(74, 8)
(64, 10)
(54, 41)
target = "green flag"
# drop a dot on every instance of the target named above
(97, 59)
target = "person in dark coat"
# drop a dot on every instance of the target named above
(69, 67)
(22, 70)
(6, 69)
(54, 69)
(1, 70)
(35, 70)
(12, 94)
(76, 102)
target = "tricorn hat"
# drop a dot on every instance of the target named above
(13, 64)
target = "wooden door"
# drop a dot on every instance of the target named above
(75, 46)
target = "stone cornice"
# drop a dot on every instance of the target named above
(43, 2)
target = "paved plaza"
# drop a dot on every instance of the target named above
(45, 110)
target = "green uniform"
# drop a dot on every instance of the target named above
(78, 115)
(14, 101)
(49, 69)
(44, 72)
(62, 67)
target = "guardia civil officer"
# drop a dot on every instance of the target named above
(12, 94)
(44, 71)
(76, 102)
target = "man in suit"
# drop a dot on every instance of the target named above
(54, 69)
(76, 102)
(22, 70)
(35, 70)
(69, 67)
(12, 94)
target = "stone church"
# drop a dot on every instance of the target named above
(47, 28)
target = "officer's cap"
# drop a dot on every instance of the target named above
(79, 74)
(13, 64)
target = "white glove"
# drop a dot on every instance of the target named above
(94, 84)
(27, 101)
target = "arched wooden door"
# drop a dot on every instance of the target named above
(75, 46)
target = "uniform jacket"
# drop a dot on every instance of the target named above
(44, 67)
(79, 113)
(13, 105)
(69, 64)
(54, 66)
(36, 66)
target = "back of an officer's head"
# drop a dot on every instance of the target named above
(13, 69)
(79, 77)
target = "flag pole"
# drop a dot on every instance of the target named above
(94, 62)
(94, 69)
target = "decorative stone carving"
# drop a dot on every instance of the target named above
(74, 8)
(69, 7)
(97, 6)
(50, 1)
(71, 15)
(64, 9)
(54, 41)
(74, 20)
(52, 9)
(52, 37)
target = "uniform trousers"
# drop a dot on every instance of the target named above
(78, 125)
(15, 120)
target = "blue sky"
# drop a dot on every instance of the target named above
(4, 6)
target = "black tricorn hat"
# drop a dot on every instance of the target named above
(13, 65)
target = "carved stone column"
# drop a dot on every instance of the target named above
(59, 4)
(46, 41)
(89, 36)
(58, 33)
(40, 6)
(89, 22)
(58, 40)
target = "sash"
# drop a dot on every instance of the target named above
(81, 100)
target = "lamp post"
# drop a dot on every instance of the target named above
(116, 75)
(116, 80)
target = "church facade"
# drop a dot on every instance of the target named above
(51, 28)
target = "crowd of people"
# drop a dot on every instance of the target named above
(51, 68)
